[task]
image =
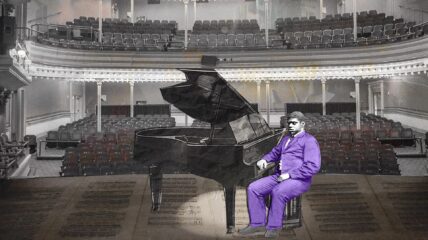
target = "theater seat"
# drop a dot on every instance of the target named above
(407, 133)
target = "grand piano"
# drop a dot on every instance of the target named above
(226, 152)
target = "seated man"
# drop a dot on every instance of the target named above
(299, 158)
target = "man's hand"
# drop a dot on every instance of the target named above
(262, 164)
(283, 177)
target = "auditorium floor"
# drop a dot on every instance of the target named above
(41, 205)
(118, 207)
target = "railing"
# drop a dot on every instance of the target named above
(68, 32)
(418, 29)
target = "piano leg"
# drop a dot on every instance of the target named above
(155, 174)
(229, 193)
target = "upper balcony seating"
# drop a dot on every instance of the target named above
(226, 26)
(297, 33)
(338, 37)
(123, 26)
(229, 41)
(345, 20)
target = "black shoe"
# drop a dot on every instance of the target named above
(272, 233)
(248, 230)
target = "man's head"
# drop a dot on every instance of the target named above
(295, 122)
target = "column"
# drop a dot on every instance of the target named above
(21, 19)
(376, 108)
(71, 102)
(75, 117)
(324, 109)
(268, 102)
(16, 105)
(185, 23)
(267, 22)
(13, 115)
(3, 104)
(382, 99)
(22, 117)
(357, 100)
(257, 11)
(18, 115)
(84, 101)
(354, 8)
(132, 11)
(194, 10)
(100, 21)
(258, 94)
(24, 19)
(99, 84)
(131, 98)
(370, 98)
(321, 9)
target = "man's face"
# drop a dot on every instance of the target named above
(295, 126)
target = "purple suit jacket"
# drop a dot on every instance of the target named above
(301, 159)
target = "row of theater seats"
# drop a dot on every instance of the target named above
(365, 156)
(136, 41)
(129, 45)
(107, 152)
(345, 149)
(343, 125)
(291, 40)
(79, 131)
(331, 22)
(229, 41)
(100, 154)
(367, 35)
(124, 26)
(226, 26)
(237, 34)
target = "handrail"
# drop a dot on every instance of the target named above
(68, 29)
(421, 24)
(61, 25)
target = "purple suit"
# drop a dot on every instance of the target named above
(301, 159)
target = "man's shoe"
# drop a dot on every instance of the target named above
(272, 233)
(249, 230)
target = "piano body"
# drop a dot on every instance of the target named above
(226, 152)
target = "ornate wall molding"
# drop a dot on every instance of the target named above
(372, 71)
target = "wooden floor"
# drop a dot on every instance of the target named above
(119, 207)
(38, 204)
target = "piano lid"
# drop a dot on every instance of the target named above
(206, 96)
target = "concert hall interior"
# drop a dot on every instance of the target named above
(144, 119)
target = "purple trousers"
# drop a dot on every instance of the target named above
(281, 193)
